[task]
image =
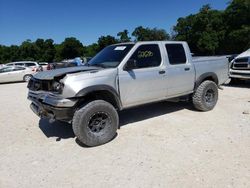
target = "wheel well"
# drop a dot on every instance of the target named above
(211, 78)
(208, 76)
(100, 95)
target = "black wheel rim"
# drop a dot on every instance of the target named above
(98, 121)
(210, 96)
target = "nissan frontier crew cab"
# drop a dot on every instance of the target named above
(122, 76)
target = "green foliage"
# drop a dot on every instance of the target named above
(91, 50)
(212, 32)
(70, 48)
(124, 36)
(146, 34)
(104, 41)
(208, 32)
(45, 50)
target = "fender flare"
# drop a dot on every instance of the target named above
(204, 77)
(100, 88)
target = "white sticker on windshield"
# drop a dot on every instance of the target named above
(120, 48)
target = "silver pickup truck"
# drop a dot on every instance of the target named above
(122, 76)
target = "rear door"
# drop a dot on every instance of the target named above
(180, 70)
(146, 81)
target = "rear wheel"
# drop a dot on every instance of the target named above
(27, 77)
(206, 95)
(95, 123)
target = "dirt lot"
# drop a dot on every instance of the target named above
(159, 145)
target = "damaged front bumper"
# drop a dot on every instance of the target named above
(47, 105)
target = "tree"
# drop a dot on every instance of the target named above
(70, 48)
(91, 50)
(237, 20)
(203, 31)
(28, 51)
(124, 36)
(216, 32)
(104, 41)
(146, 34)
(46, 50)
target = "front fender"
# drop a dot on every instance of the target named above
(99, 88)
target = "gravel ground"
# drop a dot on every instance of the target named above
(159, 145)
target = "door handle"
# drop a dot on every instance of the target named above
(187, 69)
(162, 72)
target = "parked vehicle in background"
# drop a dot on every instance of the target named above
(43, 66)
(240, 67)
(86, 59)
(16, 73)
(69, 63)
(30, 64)
(122, 76)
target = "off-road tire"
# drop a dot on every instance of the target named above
(200, 99)
(27, 77)
(83, 119)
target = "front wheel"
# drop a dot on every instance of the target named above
(206, 95)
(95, 123)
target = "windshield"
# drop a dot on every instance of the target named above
(110, 56)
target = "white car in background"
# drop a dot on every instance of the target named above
(43, 66)
(15, 74)
(31, 64)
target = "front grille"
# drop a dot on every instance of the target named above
(241, 65)
(241, 60)
(241, 74)
(36, 85)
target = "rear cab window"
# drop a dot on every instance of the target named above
(147, 55)
(176, 54)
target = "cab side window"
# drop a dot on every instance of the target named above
(176, 54)
(147, 55)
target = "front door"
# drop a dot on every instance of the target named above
(145, 81)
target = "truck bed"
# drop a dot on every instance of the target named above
(216, 64)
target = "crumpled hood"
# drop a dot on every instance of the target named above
(50, 75)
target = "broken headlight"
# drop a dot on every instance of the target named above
(57, 86)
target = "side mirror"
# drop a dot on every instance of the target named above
(131, 64)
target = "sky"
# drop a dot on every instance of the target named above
(87, 20)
